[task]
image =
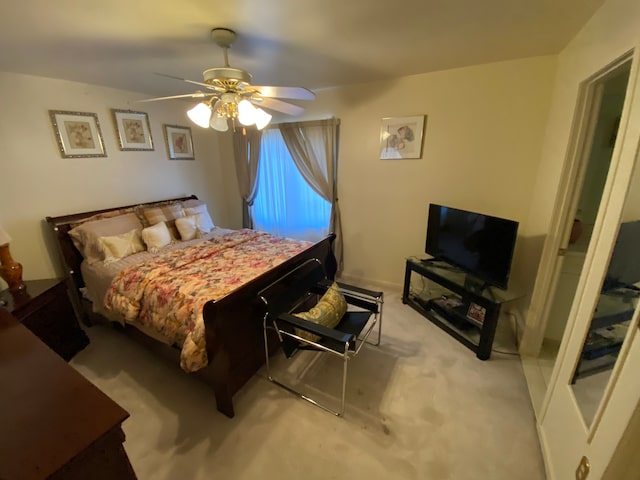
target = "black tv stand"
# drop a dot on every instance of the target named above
(436, 262)
(475, 285)
(464, 307)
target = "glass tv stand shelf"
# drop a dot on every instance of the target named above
(452, 301)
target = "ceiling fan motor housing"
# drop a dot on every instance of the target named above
(227, 76)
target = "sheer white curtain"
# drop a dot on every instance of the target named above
(285, 204)
(314, 149)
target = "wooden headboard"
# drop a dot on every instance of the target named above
(69, 256)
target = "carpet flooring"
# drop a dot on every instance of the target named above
(419, 406)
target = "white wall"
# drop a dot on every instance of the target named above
(609, 34)
(482, 145)
(36, 182)
(481, 150)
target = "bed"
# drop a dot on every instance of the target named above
(224, 344)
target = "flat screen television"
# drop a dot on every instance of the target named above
(480, 245)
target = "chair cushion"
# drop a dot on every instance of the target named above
(328, 312)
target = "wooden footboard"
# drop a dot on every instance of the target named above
(235, 342)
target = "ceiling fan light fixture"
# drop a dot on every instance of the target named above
(227, 106)
(219, 123)
(262, 118)
(246, 112)
(200, 114)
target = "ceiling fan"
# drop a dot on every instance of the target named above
(228, 94)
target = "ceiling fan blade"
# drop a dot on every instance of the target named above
(186, 95)
(293, 93)
(278, 105)
(202, 84)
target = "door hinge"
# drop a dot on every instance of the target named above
(562, 252)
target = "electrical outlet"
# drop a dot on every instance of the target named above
(582, 472)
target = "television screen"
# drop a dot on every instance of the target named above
(481, 245)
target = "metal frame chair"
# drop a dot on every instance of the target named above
(298, 290)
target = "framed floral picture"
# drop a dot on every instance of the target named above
(179, 142)
(78, 134)
(401, 137)
(132, 129)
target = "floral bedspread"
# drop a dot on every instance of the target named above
(168, 293)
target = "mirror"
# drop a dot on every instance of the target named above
(618, 300)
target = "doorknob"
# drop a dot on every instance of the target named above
(582, 472)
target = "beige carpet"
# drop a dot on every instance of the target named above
(420, 406)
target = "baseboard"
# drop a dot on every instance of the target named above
(368, 282)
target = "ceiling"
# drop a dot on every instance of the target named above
(310, 43)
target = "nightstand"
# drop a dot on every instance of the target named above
(45, 309)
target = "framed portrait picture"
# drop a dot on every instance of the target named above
(132, 129)
(78, 134)
(179, 143)
(401, 137)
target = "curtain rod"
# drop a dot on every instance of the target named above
(309, 123)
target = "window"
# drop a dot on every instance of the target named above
(285, 204)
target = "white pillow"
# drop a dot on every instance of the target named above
(116, 247)
(194, 226)
(188, 227)
(205, 223)
(164, 213)
(85, 236)
(156, 236)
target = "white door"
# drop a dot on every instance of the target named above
(574, 425)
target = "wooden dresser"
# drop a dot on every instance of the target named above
(46, 310)
(54, 423)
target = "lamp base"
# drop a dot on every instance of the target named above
(11, 271)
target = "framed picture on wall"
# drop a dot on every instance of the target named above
(77, 133)
(401, 137)
(132, 129)
(179, 142)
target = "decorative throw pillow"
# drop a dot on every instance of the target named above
(187, 227)
(116, 247)
(164, 213)
(156, 236)
(328, 312)
(85, 236)
(205, 222)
